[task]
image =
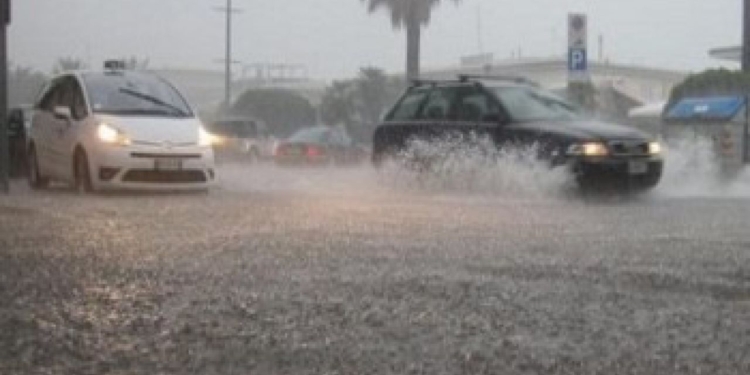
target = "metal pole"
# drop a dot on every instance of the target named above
(4, 144)
(746, 37)
(228, 62)
(746, 132)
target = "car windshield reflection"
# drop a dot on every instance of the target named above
(134, 94)
(527, 104)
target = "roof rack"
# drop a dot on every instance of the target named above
(115, 65)
(421, 82)
(514, 79)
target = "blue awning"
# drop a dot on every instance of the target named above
(722, 108)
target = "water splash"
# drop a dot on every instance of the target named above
(478, 167)
(692, 169)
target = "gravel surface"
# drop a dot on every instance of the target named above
(350, 272)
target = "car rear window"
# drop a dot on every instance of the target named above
(408, 107)
(311, 135)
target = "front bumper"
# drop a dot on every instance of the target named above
(140, 168)
(625, 172)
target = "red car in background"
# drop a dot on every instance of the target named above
(319, 145)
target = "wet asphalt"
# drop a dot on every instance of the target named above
(349, 271)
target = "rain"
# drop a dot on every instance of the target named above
(279, 206)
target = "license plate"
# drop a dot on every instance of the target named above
(168, 164)
(637, 167)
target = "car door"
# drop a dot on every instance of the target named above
(43, 127)
(68, 131)
(425, 116)
(480, 116)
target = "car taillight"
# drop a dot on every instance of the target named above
(313, 151)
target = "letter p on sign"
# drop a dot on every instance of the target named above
(577, 60)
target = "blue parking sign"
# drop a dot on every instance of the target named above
(577, 60)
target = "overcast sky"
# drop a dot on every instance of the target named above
(333, 38)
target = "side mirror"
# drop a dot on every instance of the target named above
(63, 113)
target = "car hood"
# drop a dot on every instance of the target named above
(584, 130)
(155, 129)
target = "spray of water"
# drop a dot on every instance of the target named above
(477, 167)
(449, 166)
(693, 170)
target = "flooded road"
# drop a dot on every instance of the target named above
(349, 271)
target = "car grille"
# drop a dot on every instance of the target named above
(168, 177)
(629, 148)
(150, 155)
(165, 144)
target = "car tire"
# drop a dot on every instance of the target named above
(81, 173)
(35, 178)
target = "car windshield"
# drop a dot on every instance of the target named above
(134, 94)
(530, 104)
(316, 135)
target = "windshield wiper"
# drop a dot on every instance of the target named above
(150, 98)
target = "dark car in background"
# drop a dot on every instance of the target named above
(513, 112)
(240, 139)
(319, 145)
(19, 124)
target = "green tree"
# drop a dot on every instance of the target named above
(66, 64)
(284, 111)
(412, 15)
(337, 105)
(359, 103)
(24, 84)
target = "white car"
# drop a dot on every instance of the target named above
(117, 129)
(240, 139)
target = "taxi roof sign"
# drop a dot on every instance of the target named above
(720, 108)
(114, 65)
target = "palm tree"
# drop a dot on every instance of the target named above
(746, 36)
(135, 63)
(411, 14)
(65, 64)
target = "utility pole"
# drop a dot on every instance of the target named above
(228, 58)
(4, 144)
(480, 43)
(746, 37)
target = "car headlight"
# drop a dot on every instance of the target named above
(108, 134)
(654, 148)
(207, 139)
(588, 149)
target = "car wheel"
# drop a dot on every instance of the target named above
(82, 173)
(36, 180)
